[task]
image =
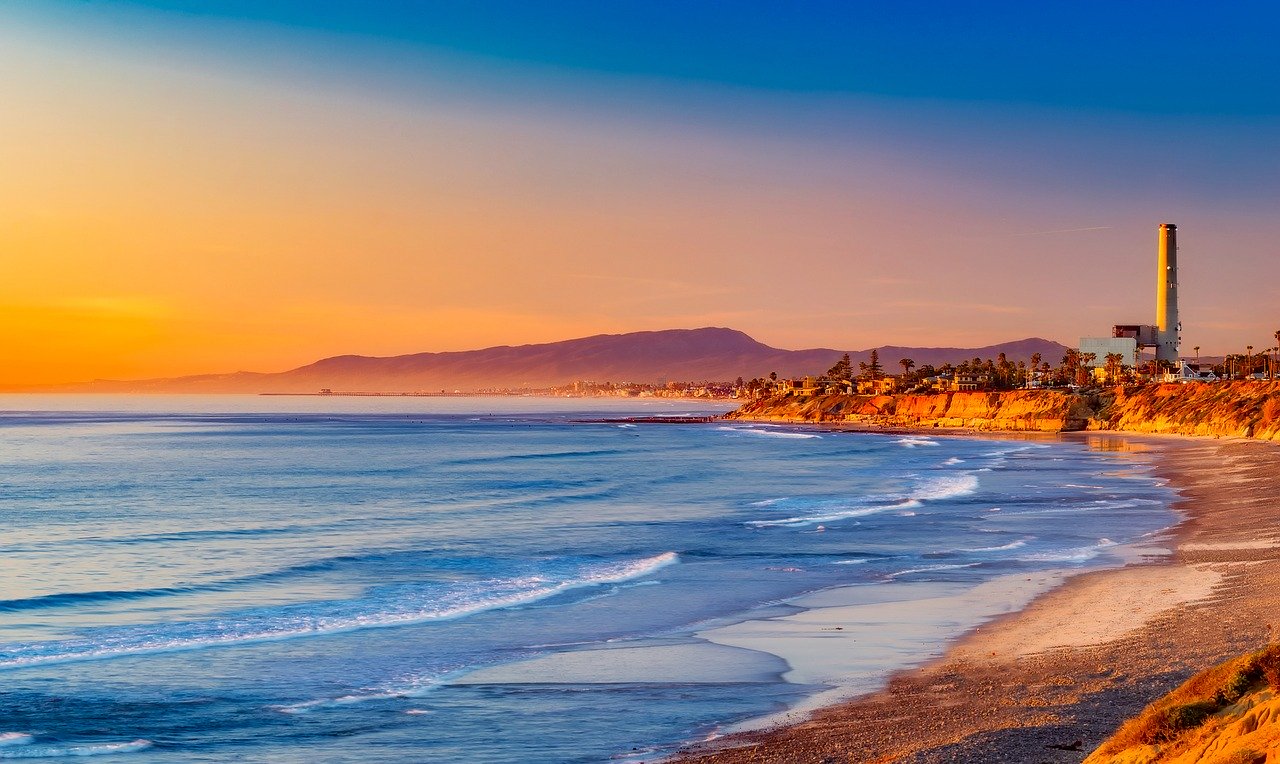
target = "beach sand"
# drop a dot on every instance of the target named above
(1066, 670)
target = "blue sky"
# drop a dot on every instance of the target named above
(817, 174)
(1168, 58)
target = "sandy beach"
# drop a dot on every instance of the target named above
(1050, 681)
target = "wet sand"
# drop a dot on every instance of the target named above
(1050, 682)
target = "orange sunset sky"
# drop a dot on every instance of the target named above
(201, 193)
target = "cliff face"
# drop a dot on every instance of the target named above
(1228, 714)
(1043, 410)
(1241, 409)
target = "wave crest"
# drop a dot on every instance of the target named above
(26, 750)
(391, 606)
(936, 488)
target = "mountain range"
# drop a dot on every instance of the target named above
(686, 355)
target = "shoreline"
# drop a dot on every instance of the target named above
(1081, 657)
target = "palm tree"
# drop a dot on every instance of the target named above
(1197, 349)
(1086, 367)
(1274, 356)
(1115, 362)
(907, 365)
(1070, 365)
(1248, 360)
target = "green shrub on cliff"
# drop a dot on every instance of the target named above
(1197, 700)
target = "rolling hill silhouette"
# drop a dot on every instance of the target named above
(690, 355)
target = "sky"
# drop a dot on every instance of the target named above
(192, 187)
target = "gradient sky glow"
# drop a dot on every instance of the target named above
(194, 187)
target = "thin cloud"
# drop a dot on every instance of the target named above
(977, 307)
(1063, 230)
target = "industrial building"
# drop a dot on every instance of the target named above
(1128, 340)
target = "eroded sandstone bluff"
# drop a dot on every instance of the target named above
(1227, 714)
(1238, 409)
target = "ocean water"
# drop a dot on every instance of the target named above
(473, 579)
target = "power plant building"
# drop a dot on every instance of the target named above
(1168, 327)
(1165, 334)
(1101, 347)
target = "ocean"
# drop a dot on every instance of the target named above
(304, 579)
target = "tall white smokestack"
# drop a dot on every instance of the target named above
(1167, 295)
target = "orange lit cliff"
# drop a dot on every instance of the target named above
(1241, 409)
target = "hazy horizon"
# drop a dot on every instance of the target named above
(206, 187)
(691, 355)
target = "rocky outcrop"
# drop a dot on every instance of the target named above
(1240, 409)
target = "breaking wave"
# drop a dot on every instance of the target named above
(935, 488)
(26, 750)
(769, 433)
(1002, 548)
(388, 606)
(933, 569)
(1077, 554)
(913, 442)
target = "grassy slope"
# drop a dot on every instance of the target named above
(1228, 714)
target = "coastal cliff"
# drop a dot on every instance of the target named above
(1239, 409)
(1228, 714)
(1042, 410)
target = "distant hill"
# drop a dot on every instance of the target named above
(691, 355)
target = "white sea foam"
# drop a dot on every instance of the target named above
(933, 568)
(1002, 548)
(328, 618)
(14, 738)
(832, 515)
(936, 488)
(342, 700)
(913, 442)
(1077, 554)
(28, 751)
(406, 687)
(1090, 507)
(1016, 449)
(769, 502)
(769, 433)
(946, 487)
(1082, 554)
(953, 461)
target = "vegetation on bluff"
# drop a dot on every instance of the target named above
(1075, 368)
(1237, 409)
(1228, 714)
